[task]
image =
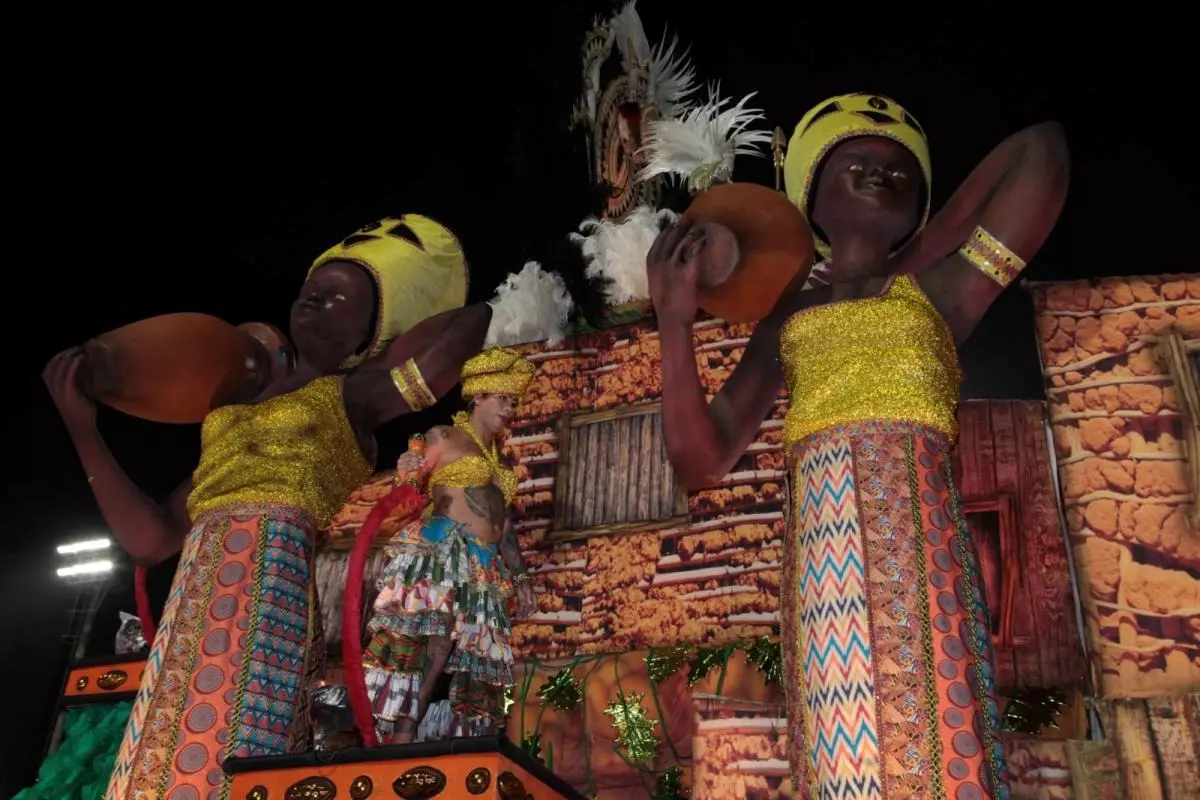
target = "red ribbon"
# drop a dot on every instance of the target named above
(408, 501)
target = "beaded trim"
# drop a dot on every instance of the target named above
(412, 387)
(989, 255)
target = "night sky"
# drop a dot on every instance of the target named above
(171, 181)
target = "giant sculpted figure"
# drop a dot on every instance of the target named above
(886, 646)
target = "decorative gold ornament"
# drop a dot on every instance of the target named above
(112, 679)
(990, 256)
(479, 780)
(81, 684)
(311, 788)
(257, 793)
(510, 787)
(360, 788)
(419, 783)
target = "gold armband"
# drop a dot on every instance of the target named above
(989, 255)
(412, 386)
(521, 577)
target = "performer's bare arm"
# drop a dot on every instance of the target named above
(439, 347)
(150, 532)
(1015, 194)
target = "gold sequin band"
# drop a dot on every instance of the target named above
(412, 386)
(521, 577)
(989, 255)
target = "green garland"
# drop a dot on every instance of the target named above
(80, 768)
(636, 742)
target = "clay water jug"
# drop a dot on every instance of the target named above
(178, 367)
(774, 242)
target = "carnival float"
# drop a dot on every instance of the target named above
(652, 664)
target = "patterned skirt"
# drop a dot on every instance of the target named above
(441, 582)
(885, 627)
(231, 666)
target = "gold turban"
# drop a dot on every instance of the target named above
(498, 370)
(832, 122)
(419, 271)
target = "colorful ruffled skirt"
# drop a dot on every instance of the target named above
(233, 660)
(441, 582)
(886, 640)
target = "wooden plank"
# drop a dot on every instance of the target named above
(1007, 481)
(619, 473)
(619, 467)
(562, 472)
(1177, 744)
(1135, 744)
(653, 474)
(590, 483)
(975, 453)
(1045, 572)
(639, 485)
(1095, 770)
(669, 486)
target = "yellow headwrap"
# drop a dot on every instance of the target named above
(419, 270)
(832, 122)
(498, 370)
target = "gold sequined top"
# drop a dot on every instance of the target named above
(296, 450)
(887, 358)
(471, 471)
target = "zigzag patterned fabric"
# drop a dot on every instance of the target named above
(885, 628)
(231, 664)
(835, 628)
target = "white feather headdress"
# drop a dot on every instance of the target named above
(616, 251)
(700, 146)
(530, 306)
(670, 76)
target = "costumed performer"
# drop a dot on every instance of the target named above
(442, 605)
(885, 631)
(381, 331)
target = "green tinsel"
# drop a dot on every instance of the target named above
(662, 664)
(80, 768)
(768, 657)
(563, 692)
(531, 745)
(707, 659)
(1030, 710)
(635, 731)
(669, 785)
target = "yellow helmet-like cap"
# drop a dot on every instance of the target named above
(419, 270)
(832, 122)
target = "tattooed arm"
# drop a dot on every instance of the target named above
(510, 548)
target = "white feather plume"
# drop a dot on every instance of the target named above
(616, 251)
(670, 75)
(700, 146)
(672, 78)
(626, 28)
(530, 306)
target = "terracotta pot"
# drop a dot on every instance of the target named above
(775, 246)
(178, 367)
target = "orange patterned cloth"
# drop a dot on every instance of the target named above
(886, 640)
(231, 666)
